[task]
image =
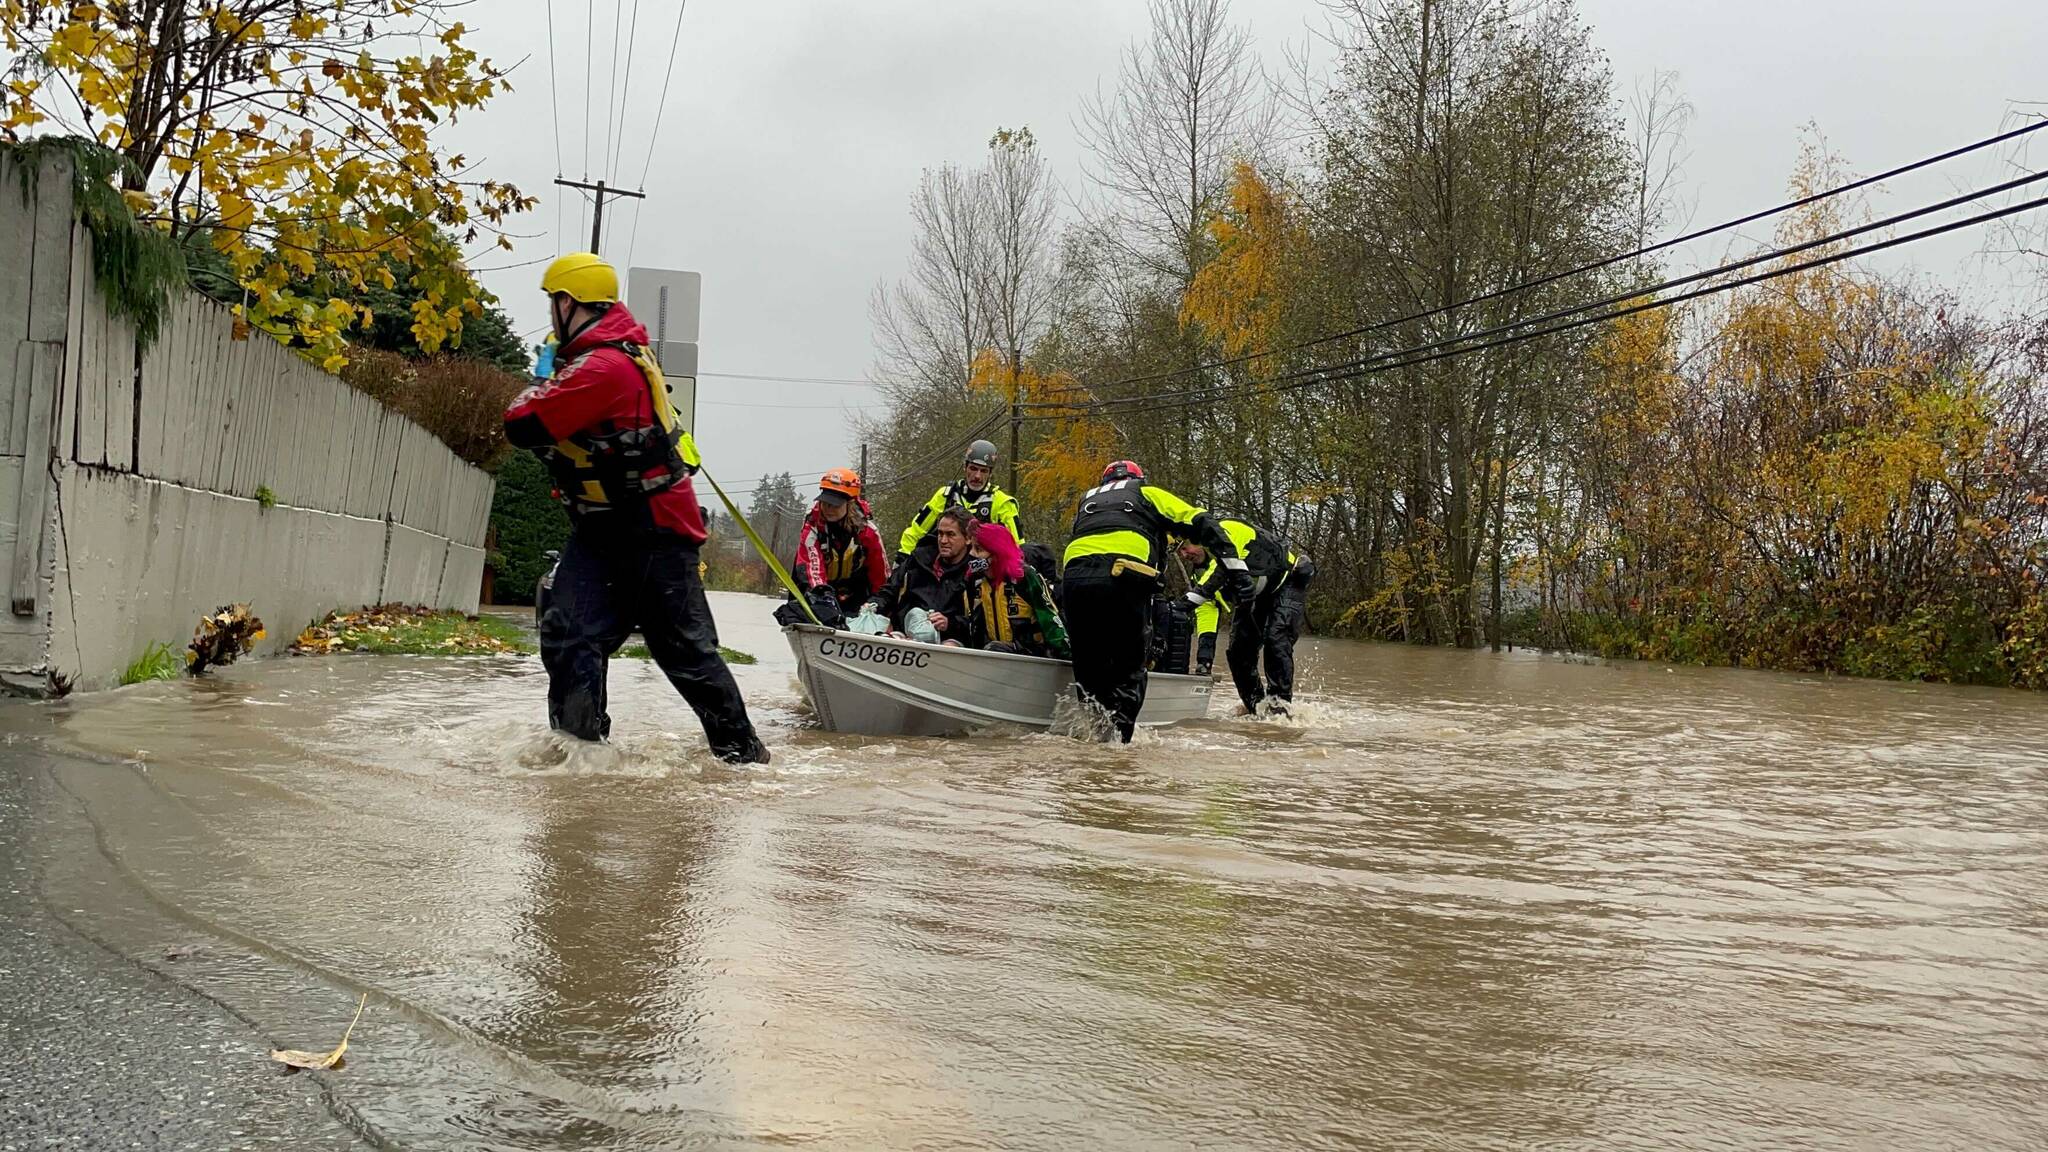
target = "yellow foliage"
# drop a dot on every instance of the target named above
(303, 150)
(1068, 457)
(1237, 297)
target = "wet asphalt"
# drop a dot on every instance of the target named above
(97, 1051)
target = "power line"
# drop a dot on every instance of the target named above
(1595, 266)
(1365, 368)
(660, 110)
(611, 85)
(911, 472)
(555, 110)
(632, 39)
(586, 96)
(1633, 294)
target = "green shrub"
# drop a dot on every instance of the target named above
(529, 522)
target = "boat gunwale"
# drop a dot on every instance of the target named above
(819, 630)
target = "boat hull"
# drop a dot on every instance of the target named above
(884, 686)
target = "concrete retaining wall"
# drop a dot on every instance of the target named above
(129, 480)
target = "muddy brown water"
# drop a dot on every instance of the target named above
(1468, 901)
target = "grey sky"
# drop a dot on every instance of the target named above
(796, 131)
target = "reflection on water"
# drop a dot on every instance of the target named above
(1464, 901)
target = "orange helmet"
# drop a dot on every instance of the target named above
(844, 481)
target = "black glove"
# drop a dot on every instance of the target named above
(1239, 589)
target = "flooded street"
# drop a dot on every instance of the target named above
(1469, 902)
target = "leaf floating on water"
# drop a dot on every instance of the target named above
(294, 1058)
(222, 636)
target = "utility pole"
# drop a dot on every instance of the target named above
(1016, 416)
(863, 465)
(597, 214)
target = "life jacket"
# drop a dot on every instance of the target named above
(1007, 617)
(982, 506)
(845, 563)
(594, 472)
(1120, 507)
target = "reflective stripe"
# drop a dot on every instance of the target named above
(1136, 545)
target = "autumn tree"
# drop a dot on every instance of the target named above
(1469, 151)
(980, 285)
(1189, 102)
(299, 138)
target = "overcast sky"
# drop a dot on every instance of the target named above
(796, 130)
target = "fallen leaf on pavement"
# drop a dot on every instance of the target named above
(294, 1058)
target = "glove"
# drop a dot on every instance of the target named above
(1196, 599)
(1239, 592)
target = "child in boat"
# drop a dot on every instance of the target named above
(1009, 605)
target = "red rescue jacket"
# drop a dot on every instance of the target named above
(596, 391)
(856, 570)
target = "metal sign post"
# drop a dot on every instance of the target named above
(668, 303)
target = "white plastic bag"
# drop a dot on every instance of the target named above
(868, 623)
(918, 624)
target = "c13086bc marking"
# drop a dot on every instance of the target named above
(873, 653)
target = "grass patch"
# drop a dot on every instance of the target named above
(640, 652)
(398, 630)
(157, 662)
(265, 497)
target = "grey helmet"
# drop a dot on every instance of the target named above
(983, 453)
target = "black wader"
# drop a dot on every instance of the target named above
(1109, 626)
(612, 578)
(1268, 626)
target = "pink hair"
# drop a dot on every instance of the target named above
(1005, 559)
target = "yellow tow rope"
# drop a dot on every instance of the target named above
(767, 554)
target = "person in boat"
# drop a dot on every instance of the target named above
(975, 491)
(1113, 561)
(935, 579)
(840, 559)
(603, 424)
(1009, 605)
(1268, 622)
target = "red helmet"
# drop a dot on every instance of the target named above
(844, 481)
(1123, 470)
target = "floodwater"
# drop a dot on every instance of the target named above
(1467, 902)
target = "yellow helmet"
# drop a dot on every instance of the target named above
(583, 277)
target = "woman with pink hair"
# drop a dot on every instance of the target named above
(1009, 607)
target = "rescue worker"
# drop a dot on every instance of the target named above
(840, 560)
(603, 425)
(974, 491)
(935, 579)
(1009, 605)
(1113, 559)
(1269, 621)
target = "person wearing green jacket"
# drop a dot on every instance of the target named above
(1114, 556)
(974, 491)
(1009, 606)
(1266, 621)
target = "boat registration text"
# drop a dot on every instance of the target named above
(873, 653)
